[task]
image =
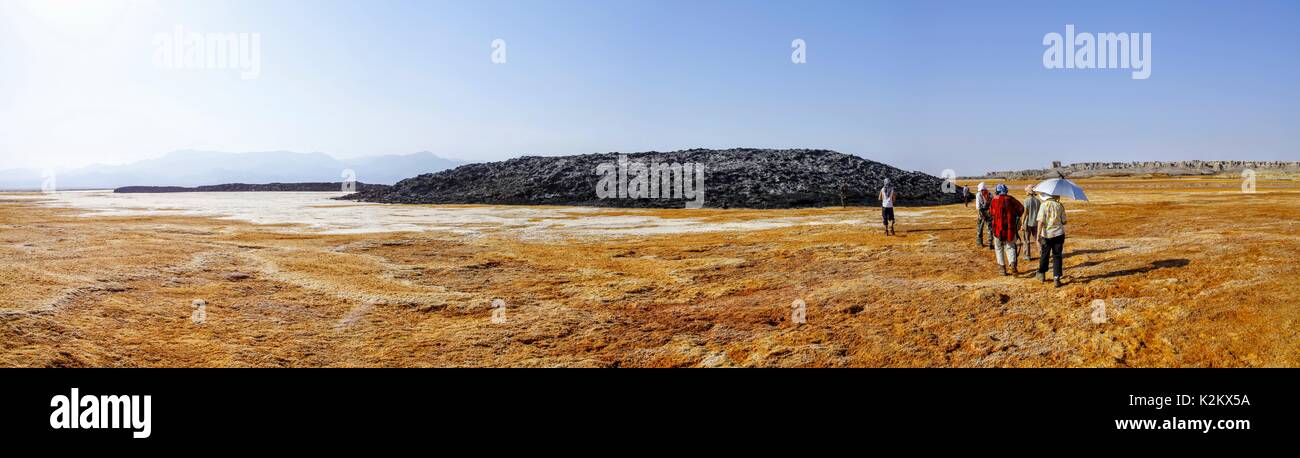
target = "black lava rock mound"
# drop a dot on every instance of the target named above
(733, 178)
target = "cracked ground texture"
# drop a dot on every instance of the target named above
(1192, 272)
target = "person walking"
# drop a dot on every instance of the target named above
(887, 207)
(1051, 228)
(1005, 211)
(982, 201)
(1032, 203)
(965, 196)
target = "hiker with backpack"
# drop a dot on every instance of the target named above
(1032, 203)
(982, 202)
(1005, 212)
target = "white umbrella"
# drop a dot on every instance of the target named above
(1061, 187)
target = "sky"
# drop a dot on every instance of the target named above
(922, 85)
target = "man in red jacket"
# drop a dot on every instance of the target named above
(1005, 212)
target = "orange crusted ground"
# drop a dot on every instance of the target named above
(1192, 271)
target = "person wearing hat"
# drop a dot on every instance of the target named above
(1051, 229)
(887, 207)
(1005, 212)
(982, 201)
(1032, 203)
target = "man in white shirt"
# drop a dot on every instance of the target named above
(887, 207)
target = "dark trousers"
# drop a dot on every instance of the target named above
(1051, 249)
(983, 224)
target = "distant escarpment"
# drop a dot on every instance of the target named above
(1149, 168)
(742, 178)
(242, 187)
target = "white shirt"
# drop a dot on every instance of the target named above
(888, 200)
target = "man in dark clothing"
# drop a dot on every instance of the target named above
(983, 200)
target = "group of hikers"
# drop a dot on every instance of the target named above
(1013, 227)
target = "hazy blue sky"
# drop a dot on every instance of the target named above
(921, 85)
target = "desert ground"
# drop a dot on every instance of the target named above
(1192, 272)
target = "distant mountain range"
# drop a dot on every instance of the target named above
(202, 168)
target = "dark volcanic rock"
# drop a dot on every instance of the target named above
(747, 178)
(241, 187)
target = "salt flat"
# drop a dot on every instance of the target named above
(320, 213)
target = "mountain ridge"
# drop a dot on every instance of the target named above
(189, 168)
